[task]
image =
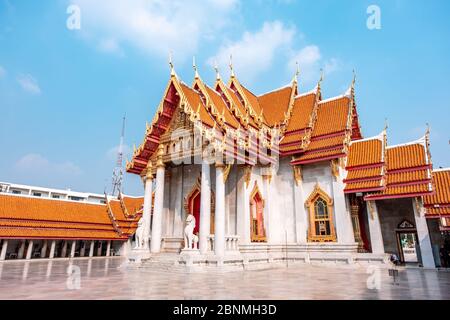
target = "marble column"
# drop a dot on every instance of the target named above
(376, 236)
(91, 249)
(44, 249)
(219, 221)
(155, 244)
(147, 204)
(21, 250)
(64, 249)
(72, 249)
(82, 248)
(108, 248)
(205, 208)
(52, 250)
(344, 226)
(243, 210)
(29, 250)
(99, 248)
(423, 234)
(4, 249)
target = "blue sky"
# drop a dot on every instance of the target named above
(63, 92)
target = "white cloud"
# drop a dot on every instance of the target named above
(2, 72)
(110, 45)
(155, 26)
(36, 164)
(29, 84)
(254, 52)
(111, 154)
(310, 62)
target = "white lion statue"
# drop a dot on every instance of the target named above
(189, 232)
(140, 234)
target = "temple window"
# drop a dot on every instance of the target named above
(257, 230)
(321, 226)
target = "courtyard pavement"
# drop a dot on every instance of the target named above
(106, 278)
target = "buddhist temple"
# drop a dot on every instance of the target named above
(235, 178)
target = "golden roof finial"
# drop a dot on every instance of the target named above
(172, 70)
(427, 133)
(216, 68)
(386, 125)
(297, 72)
(231, 65)
(195, 67)
(354, 79)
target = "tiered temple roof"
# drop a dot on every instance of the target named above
(27, 217)
(438, 204)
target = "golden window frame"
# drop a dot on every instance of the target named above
(310, 204)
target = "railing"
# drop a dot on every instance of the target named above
(231, 243)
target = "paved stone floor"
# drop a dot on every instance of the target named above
(106, 278)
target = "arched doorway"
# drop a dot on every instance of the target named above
(257, 231)
(192, 206)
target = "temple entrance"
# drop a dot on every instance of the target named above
(192, 206)
(407, 242)
(257, 232)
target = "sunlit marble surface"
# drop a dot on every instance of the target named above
(104, 278)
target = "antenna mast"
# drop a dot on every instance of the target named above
(118, 170)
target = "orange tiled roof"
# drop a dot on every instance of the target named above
(438, 204)
(301, 113)
(222, 107)
(195, 101)
(365, 164)
(329, 132)
(332, 116)
(275, 104)
(28, 217)
(408, 172)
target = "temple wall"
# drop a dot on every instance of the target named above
(392, 213)
(282, 204)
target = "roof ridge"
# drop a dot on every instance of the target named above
(441, 170)
(377, 137)
(289, 85)
(49, 199)
(421, 141)
(333, 98)
(313, 91)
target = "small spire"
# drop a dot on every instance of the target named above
(297, 72)
(216, 68)
(195, 68)
(172, 69)
(386, 124)
(354, 79)
(231, 66)
(427, 133)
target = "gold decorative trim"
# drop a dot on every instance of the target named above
(247, 175)
(335, 168)
(297, 174)
(226, 172)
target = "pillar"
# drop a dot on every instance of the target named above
(64, 249)
(83, 248)
(44, 249)
(219, 221)
(99, 248)
(147, 204)
(4, 250)
(155, 246)
(21, 250)
(29, 250)
(243, 210)
(376, 236)
(205, 209)
(108, 248)
(72, 249)
(344, 227)
(423, 234)
(91, 249)
(52, 249)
